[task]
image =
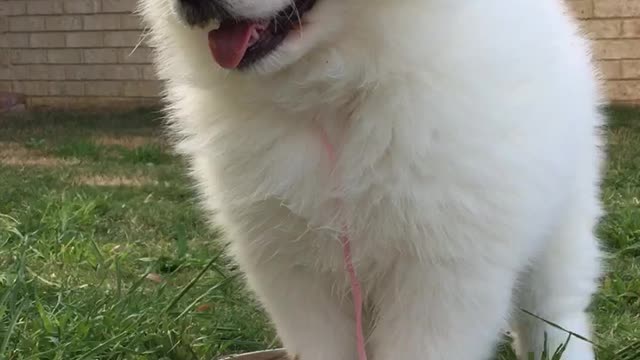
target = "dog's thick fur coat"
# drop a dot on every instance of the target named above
(468, 166)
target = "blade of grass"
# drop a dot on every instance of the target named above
(557, 355)
(10, 329)
(186, 289)
(630, 352)
(558, 327)
(103, 345)
(97, 250)
(199, 298)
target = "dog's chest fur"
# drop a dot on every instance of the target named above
(393, 185)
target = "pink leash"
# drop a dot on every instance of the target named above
(356, 289)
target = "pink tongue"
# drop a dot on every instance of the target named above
(229, 42)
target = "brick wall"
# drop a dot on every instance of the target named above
(81, 52)
(75, 53)
(614, 27)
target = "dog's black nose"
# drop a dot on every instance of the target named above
(201, 12)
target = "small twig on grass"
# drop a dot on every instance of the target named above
(35, 275)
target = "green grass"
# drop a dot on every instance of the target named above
(105, 255)
(90, 269)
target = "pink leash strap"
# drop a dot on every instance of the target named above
(356, 292)
(345, 240)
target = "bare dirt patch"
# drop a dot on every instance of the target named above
(106, 180)
(129, 141)
(14, 154)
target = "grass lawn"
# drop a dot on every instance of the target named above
(105, 255)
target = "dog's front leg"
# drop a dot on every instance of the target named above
(451, 311)
(313, 321)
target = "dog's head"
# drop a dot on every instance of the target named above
(247, 36)
(294, 53)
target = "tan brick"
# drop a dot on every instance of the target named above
(610, 69)
(104, 88)
(26, 23)
(31, 72)
(81, 6)
(631, 28)
(7, 73)
(581, 9)
(38, 72)
(89, 102)
(63, 23)
(46, 40)
(103, 72)
(617, 49)
(624, 90)
(64, 56)
(616, 8)
(5, 86)
(65, 88)
(84, 39)
(602, 29)
(130, 22)
(80, 72)
(139, 55)
(631, 69)
(122, 38)
(118, 6)
(149, 73)
(100, 56)
(44, 7)
(17, 40)
(4, 24)
(102, 22)
(5, 58)
(35, 88)
(28, 56)
(142, 88)
(13, 7)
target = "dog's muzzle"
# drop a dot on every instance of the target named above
(201, 12)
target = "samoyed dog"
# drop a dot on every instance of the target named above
(396, 179)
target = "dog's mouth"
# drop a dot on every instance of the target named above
(239, 43)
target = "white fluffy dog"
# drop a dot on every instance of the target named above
(454, 143)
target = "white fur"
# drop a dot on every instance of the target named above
(468, 165)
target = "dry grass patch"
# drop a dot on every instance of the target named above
(106, 180)
(14, 154)
(127, 141)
